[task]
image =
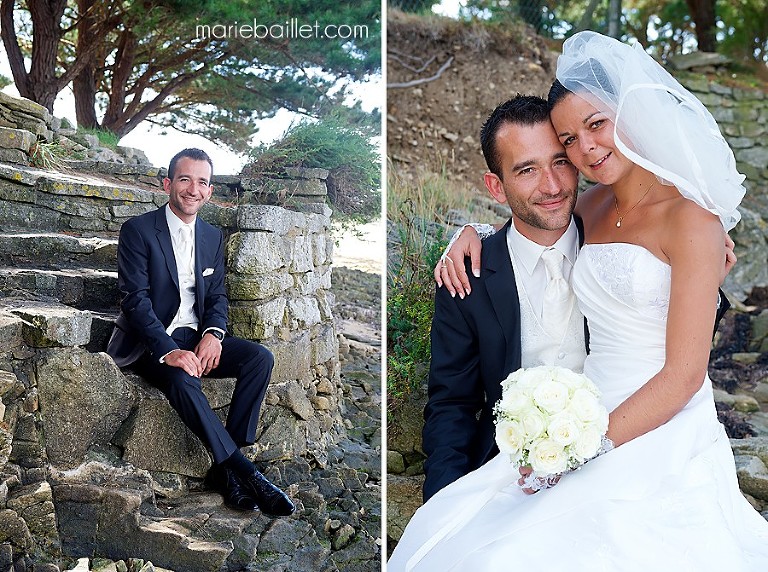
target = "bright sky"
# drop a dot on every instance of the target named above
(448, 8)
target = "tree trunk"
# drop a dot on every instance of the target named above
(585, 23)
(43, 85)
(614, 18)
(124, 60)
(11, 43)
(703, 15)
(84, 83)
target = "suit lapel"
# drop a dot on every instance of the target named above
(502, 292)
(200, 244)
(580, 228)
(164, 238)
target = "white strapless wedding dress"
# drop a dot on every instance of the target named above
(666, 501)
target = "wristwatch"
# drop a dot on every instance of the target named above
(219, 335)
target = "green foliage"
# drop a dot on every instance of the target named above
(745, 27)
(742, 27)
(353, 163)
(410, 305)
(415, 6)
(536, 13)
(416, 241)
(5, 81)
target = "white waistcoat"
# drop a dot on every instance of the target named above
(540, 348)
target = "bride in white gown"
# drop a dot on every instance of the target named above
(666, 498)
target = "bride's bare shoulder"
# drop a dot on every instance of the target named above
(687, 223)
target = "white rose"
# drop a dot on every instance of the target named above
(586, 446)
(551, 396)
(586, 406)
(512, 379)
(534, 423)
(510, 437)
(514, 401)
(564, 428)
(529, 379)
(570, 378)
(548, 457)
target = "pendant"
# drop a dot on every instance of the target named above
(618, 223)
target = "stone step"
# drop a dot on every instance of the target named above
(58, 250)
(81, 288)
(108, 522)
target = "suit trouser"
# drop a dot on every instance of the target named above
(249, 362)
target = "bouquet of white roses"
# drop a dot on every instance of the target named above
(549, 418)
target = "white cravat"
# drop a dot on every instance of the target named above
(530, 271)
(183, 242)
(558, 296)
(186, 250)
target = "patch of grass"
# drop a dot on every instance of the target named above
(106, 138)
(49, 156)
(352, 161)
(417, 213)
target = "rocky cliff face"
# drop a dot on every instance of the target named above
(82, 472)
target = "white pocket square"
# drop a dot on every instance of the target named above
(207, 271)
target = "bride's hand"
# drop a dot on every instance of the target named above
(533, 485)
(730, 258)
(450, 271)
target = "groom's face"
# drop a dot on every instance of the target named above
(538, 181)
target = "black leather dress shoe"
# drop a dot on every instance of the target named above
(231, 488)
(270, 499)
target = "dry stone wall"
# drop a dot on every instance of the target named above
(742, 114)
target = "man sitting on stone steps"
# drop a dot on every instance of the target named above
(172, 330)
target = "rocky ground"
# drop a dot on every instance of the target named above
(335, 503)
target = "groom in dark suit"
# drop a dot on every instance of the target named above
(479, 339)
(172, 329)
(476, 340)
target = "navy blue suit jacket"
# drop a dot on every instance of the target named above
(149, 286)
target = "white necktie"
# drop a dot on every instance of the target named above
(186, 248)
(558, 296)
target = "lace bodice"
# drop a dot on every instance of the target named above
(632, 275)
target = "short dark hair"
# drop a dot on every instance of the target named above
(521, 110)
(191, 153)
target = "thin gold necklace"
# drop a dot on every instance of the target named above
(616, 204)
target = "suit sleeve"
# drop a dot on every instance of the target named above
(133, 283)
(216, 305)
(456, 396)
(725, 304)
